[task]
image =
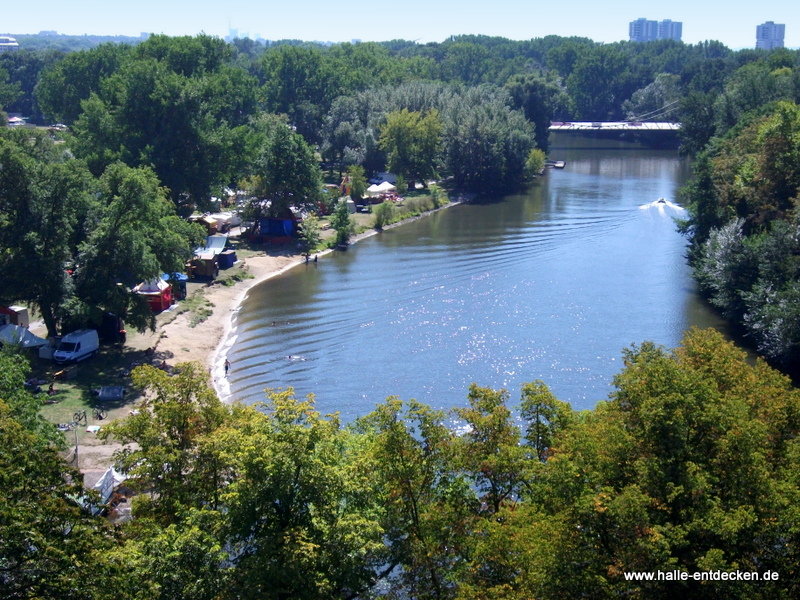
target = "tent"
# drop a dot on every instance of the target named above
(157, 292)
(382, 188)
(14, 334)
(214, 244)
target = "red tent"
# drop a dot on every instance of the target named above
(158, 293)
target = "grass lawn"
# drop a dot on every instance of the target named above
(109, 367)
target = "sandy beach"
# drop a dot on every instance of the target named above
(178, 340)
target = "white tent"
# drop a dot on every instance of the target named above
(156, 286)
(14, 334)
(382, 188)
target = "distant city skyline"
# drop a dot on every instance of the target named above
(417, 20)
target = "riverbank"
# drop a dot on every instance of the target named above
(199, 330)
(181, 339)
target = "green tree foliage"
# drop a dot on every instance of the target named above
(658, 101)
(358, 181)
(426, 503)
(170, 103)
(411, 141)
(9, 92)
(749, 88)
(384, 214)
(490, 451)
(135, 237)
(536, 161)
(44, 203)
(50, 204)
(47, 540)
(177, 412)
(301, 83)
(284, 171)
(486, 142)
(24, 69)
(246, 503)
(545, 416)
(742, 225)
(68, 82)
(600, 81)
(692, 465)
(543, 99)
(341, 223)
(182, 126)
(310, 235)
(302, 518)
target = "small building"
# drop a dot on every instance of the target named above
(8, 44)
(14, 315)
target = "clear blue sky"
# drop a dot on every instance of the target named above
(732, 23)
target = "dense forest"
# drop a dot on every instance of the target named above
(691, 465)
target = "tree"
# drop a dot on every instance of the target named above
(486, 143)
(545, 416)
(427, 504)
(47, 539)
(599, 83)
(45, 203)
(301, 83)
(73, 79)
(284, 172)
(9, 92)
(302, 518)
(411, 141)
(657, 101)
(162, 443)
(358, 181)
(136, 237)
(310, 236)
(536, 162)
(543, 99)
(490, 451)
(342, 223)
(384, 214)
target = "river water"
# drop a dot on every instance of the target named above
(551, 284)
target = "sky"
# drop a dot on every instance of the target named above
(733, 22)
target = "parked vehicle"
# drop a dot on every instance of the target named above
(76, 346)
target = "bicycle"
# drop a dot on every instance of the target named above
(98, 414)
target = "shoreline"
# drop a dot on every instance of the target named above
(209, 341)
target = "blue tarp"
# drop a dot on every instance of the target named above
(276, 227)
(214, 244)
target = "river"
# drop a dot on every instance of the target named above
(551, 284)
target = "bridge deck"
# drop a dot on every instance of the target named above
(614, 126)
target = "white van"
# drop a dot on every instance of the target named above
(76, 346)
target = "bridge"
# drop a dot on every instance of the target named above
(614, 126)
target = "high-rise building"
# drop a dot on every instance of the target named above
(643, 30)
(670, 30)
(770, 35)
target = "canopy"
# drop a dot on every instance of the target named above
(381, 188)
(14, 334)
(156, 286)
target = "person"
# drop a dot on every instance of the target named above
(227, 366)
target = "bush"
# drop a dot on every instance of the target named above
(384, 214)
